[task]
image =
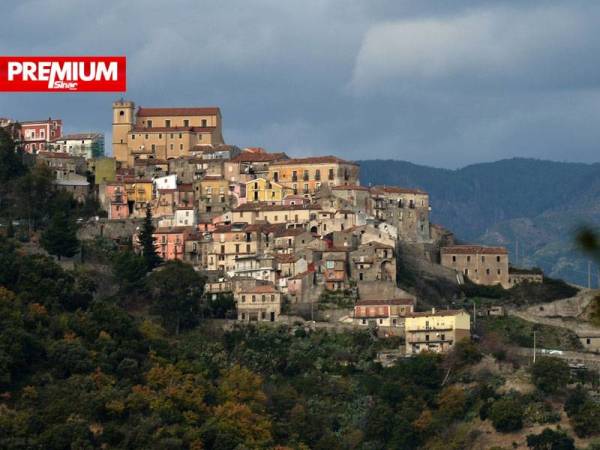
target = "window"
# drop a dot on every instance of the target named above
(443, 337)
(454, 259)
(364, 321)
(180, 135)
(160, 135)
(487, 271)
(264, 298)
(497, 259)
(427, 337)
(247, 248)
(331, 175)
(275, 176)
(317, 174)
(149, 124)
(468, 259)
(186, 123)
(243, 316)
(263, 315)
(133, 137)
(254, 299)
(588, 341)
(499, 271)
(180, 146)
(121, 113)
(204, 124)
(168, 123)
(146, 136)
(483, 259)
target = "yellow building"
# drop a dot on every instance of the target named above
(264, 212)
(163, 133)
(306, 175)
(139, 192)
(436, 331)
(262, 190)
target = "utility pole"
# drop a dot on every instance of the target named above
(534, 346)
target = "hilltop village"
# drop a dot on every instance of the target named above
(283, 235)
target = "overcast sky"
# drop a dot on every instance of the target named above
(443, 83)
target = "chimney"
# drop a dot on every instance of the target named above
(432, 310)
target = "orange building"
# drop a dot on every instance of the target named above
(306, 175)
(163, 133)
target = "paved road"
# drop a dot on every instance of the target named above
(590, 360)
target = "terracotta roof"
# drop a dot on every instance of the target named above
(261, 289)
(259, 157)
(58, 155)
(395, 190)
(350, 187)
(440, 313)
(315, 160)
(203, 111)
(392, 301)
(301, 275)
(474, 250)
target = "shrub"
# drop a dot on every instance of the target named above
(550, 440)
(550, 374)
(506, 415)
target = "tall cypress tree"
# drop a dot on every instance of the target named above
(147, 241)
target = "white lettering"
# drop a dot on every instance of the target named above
(14, 68)
(44, 70)
(29, 71)
(108, 73)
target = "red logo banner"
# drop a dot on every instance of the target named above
(63, 74)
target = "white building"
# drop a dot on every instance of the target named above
(185, 217)
(88, 145)
(166, 182)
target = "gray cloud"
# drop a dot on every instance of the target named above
(437, 82)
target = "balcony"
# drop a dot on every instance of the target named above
(294, 178)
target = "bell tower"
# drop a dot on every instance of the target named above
(123, 117)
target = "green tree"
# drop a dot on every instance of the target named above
(550, 440)
(176, 290)
(550, 374)
(146, 239)
(506, 415)
(129, 269)
(33, 194)
(60, 238)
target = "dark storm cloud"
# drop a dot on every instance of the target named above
(435, 82)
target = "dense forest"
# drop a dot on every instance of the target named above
(538, 203)
(120, 350)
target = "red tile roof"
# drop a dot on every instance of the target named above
(474, 250)
(392, 301)
(395, 190)
(203, 111)
(261, 289)
(315, 160)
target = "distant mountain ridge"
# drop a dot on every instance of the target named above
(538, 203)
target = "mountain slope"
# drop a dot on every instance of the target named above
(537, 203)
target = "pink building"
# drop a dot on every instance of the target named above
(170, 242)
(116, 201)
(36, 135)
